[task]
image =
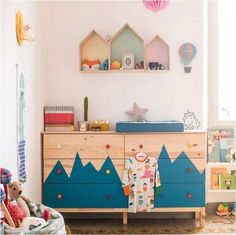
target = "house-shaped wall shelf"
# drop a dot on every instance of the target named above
(126, 41)
(157, 51)
(93, 48)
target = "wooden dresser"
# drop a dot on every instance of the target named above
(82, 171)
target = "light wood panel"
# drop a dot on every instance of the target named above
(88, 146)
(192, 144)
(68, 164)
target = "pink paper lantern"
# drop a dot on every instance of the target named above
(156, 5)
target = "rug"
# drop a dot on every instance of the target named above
(214, 225)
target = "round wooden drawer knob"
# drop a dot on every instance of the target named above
(59, 196)
(141, 146)
(59, 146)
(132, 150)
(108, 171)
(189, 170)
(108, 196)
(108, 146)
(189, 195)
(59, 171)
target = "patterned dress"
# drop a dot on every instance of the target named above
(141, 177)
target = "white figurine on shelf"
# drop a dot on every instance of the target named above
(83, 127)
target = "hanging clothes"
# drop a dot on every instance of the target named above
(141, 178)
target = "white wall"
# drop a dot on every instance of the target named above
(167, 95)
(33, 57)
(52, 69)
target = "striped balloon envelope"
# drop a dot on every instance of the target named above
(187, 52)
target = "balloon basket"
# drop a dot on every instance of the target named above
(187, 69)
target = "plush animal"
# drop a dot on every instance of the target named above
(15, 193)
(16, 213)
(91, 64)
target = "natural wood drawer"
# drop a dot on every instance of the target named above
(192, 144)
(88, 146)
(68, 165)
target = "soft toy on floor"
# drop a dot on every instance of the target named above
(15, 193)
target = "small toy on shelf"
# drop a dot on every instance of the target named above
(115, 65)
(90, 64)
(84, 126)
(104, 65)
(99, 125)
(233, 209)
(223, 209)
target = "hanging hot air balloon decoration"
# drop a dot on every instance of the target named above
(187, 52)
(156, 5)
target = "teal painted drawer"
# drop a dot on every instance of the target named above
(84, 196)
(182, 170)
(181, 195)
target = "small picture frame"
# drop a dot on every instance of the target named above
(128, 60)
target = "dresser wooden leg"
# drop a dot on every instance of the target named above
(197, 215)
(202, 218)
(125, 217)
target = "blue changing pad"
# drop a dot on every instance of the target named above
(161, 126)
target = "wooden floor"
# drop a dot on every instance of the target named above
(214, 225)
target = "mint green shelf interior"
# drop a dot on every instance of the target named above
(127, 41)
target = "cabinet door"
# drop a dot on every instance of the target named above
(97, 146)
(193, 144)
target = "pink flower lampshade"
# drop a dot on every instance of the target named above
(156, 5)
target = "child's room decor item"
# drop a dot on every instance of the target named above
(99, 125)
(223, 209)
(164, 126)
(156, 5)
(137, 114)
(125, 48)
(115, 65)
(190, 120)
(21, 141)
(187, 52)
(58, 118)
(89, 181)
(233, 209)
(94, 53)
(128, 60)
(84, 126)
(23, 32)
(4, 208)
(157, 54)
(141, 182)
(15, 193)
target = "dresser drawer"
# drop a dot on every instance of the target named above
(88, 146)
(192, 144)
(181, 195)
(84, 196)
(182, 170)
(92, 171)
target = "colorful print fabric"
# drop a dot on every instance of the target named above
(141, 177)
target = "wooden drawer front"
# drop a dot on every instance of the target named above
(88, 146)
(84, 196)
(107, 173)
(182, 170)
(192, 144)
(181, 195)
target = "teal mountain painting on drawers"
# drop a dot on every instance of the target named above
(182, 185)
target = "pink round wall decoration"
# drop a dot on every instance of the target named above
(156, 5)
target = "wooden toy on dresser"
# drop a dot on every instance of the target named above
(83, 171)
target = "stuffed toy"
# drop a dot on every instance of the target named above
(17, 214)
(91, 64)
(15, 193)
